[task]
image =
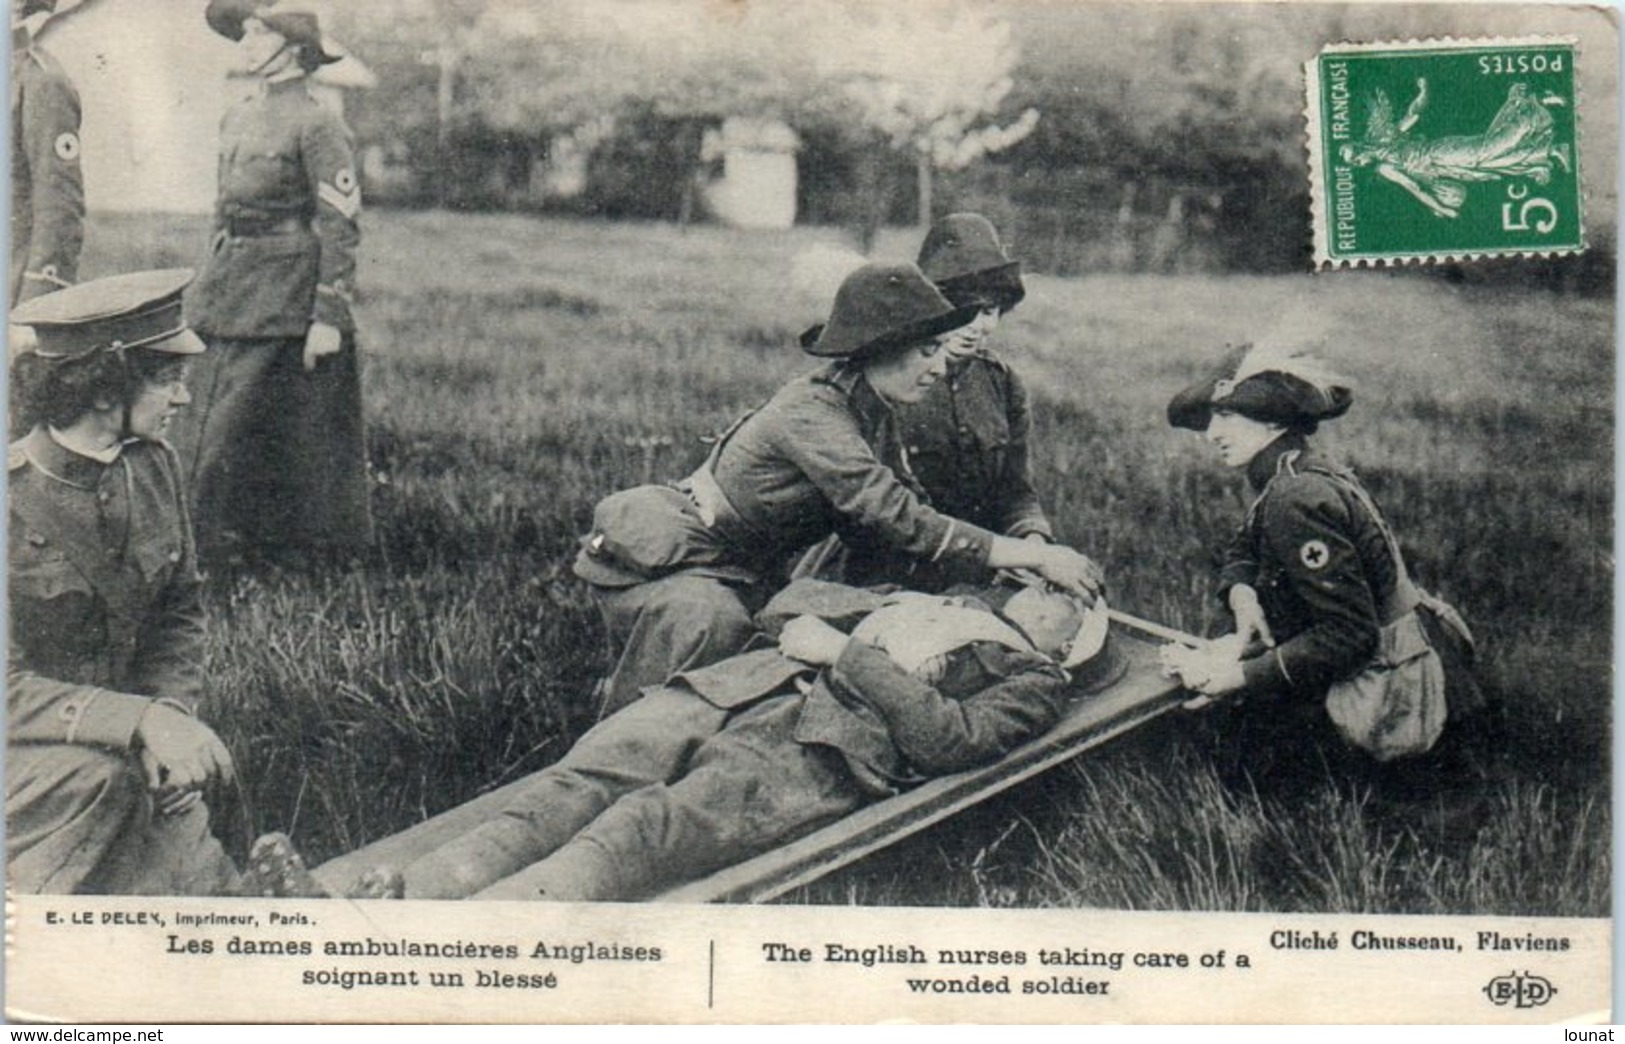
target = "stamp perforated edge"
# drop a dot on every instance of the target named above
(1323, 261)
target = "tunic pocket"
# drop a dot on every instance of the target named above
(56, 616)
(157, 560)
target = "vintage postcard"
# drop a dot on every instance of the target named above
(674, 512)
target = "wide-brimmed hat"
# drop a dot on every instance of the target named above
(962, 255)
(299, 26)
(1290, 389)
(881, 307)
(114, 314)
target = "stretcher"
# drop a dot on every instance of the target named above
(1139, 694)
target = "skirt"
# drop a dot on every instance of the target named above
(275, 455)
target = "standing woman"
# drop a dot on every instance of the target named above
(967, 437)
(47, 186)
(104, 759)
(1337, 657)
(678, 570)
(275, 445)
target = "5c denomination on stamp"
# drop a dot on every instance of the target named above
(1444, 149)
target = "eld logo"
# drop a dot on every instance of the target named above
(1521, 991)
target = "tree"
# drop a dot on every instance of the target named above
(413, 43)
(927, 80)
(922, 79)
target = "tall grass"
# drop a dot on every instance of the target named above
(518, 369)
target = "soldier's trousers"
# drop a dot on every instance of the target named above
(670, 625)
(648, 743)
(275, 455)
(748, 789)
(81, 820)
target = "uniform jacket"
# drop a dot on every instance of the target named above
(891, 728)
(283, 254)
(1322, 569)
(967, 443)
(47, 187)
(824, 456)
(761, 670)
(895, 730)
(104, 590)
(821, 457)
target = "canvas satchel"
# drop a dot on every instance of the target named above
(1394, 707)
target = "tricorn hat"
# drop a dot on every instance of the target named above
(1291, 388)
(135, 310)
(963, 256)
(300, 27)
(883, 306)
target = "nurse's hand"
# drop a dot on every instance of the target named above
(1071, 571)
(321, 339)
(1211, 668)
(1225, 677)
(1250, 622)
(179, 753)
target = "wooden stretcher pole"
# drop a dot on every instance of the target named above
(1155, 630)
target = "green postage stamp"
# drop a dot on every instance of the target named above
(1444, 149)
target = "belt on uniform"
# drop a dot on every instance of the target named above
(249, 229)
(718, 513)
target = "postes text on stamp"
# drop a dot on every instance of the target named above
(1444, 149)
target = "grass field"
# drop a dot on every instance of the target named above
(518, 369)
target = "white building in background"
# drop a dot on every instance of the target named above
(153, 80)
(757, 188)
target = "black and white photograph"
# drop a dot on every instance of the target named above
(987, 510)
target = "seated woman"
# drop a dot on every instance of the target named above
(678, 570)
(105, 762)
(1337, 657)
(730, 760)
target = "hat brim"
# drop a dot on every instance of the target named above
(1192, 408)
(604, 574)
(999, 286)
(184, 343)
(1270, 398)
(1282, 398)
(902, 337)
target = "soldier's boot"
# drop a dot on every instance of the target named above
(381, 882)
(278, 870)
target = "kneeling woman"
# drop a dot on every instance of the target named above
(678, 570)
(1337, 655)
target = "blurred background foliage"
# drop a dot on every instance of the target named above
(1099, 137)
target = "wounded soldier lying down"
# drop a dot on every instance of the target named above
(726, 762)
